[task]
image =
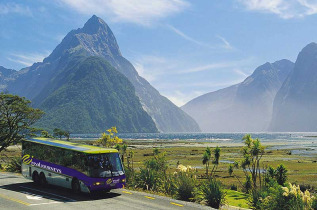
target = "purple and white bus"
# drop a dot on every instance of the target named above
(82, 168)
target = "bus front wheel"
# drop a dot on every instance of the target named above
(43, 181)
(75, 186)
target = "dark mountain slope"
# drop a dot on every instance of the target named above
(92, 96)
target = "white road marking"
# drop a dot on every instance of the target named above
(32, 196)
(37, 204)
(72, 200)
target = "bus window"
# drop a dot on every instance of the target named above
(104, 165)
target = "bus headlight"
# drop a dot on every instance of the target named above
(98, 183)
(122, 180)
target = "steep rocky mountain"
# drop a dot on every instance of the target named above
(97, 39)
(244, 107)
(92, 96)
(296, 101)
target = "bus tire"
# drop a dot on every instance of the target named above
(43, 181)
(36, 178)
(75, 186)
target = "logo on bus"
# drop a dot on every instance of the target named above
(27, 159)
(109, 181)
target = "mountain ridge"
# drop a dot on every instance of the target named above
(238, 107)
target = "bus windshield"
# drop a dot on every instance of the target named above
(104, 165)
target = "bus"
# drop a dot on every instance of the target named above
(82, 168)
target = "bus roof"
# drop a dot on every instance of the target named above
(88, 149)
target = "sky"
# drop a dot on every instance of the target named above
(184, 48)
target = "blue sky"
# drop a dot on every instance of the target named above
(183, 48)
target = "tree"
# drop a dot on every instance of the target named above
(206, 159)
(252, 154)
(109, 139)
(58, 133)
(67, 135)
(45, 134)
(16, 118)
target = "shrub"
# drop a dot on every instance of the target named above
(185, 187)
(276, 197)
(213, 193)
(148, 179)
(234, 187)
(169, 185)
(14, 165)
(314, 204)
(281, 174)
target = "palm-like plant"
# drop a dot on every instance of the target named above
(216, 159)
(206, 158)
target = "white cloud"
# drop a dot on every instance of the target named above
(142, 12)
(226, 44)
(284, 8)
(184, 36)
(240, 72)
(27, 59)
(211, 66)
(9, 8)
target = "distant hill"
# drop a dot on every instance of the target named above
(244, 107)
(97, 39)
(295, 105)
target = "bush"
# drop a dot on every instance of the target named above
(148, 179)
(276, 197)
(169, 185)
(185, 187)
(314, 204)
(14, 165)
(213, 193)
(281, 174)
(234, 187)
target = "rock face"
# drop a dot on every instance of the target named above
(244, 107)
(296, 101)
(97, 39)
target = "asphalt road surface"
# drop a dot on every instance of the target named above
(18, 193)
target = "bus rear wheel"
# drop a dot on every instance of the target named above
(36, 178)
(75, 186)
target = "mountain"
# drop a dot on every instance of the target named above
(243, 107)
(296, 101)
(92, 96)
(96, 39)
(5, 76)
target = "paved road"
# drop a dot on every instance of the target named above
(18, 193)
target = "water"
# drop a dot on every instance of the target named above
(298, 143)
(207, 137)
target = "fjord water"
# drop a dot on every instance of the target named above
(207, 137)
(300, 143)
